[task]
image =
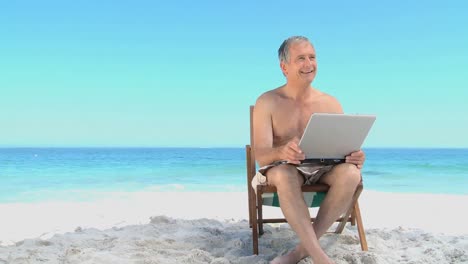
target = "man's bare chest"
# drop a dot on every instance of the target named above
(290, 122)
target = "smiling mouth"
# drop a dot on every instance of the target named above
(307, 72)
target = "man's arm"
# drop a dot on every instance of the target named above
(265, 153)
(263, 133)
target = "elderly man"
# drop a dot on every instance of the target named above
(280, 117)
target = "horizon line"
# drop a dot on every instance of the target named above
(203, 147)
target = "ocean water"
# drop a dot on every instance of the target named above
(86, 174)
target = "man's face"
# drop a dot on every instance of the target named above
(302, 65)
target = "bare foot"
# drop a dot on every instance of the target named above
(297, 255)
(292, 257)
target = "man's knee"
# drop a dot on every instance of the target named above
(346, 174)
(282, 175)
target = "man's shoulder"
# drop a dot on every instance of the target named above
(330, 101)
(327, 97)
(319, 95)
(268, 98)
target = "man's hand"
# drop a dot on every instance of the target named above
(291, 152)
(357, 158)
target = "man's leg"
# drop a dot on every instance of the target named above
(343, 180)
(288, 182)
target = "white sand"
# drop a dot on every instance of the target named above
(211, 228)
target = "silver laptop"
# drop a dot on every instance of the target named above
(328, 138)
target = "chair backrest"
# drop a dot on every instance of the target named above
(251, 126)
(251, 165)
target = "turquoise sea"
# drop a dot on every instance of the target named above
(86, 174)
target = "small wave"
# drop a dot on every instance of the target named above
(376, 172)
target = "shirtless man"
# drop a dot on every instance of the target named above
(280, 117)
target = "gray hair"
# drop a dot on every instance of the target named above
(283, 51)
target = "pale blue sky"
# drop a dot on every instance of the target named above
(183, 73)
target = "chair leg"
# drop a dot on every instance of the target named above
(255, 235)
(254, 224)
(252, 208)
(341, 226)
(353, 218)
(260, 212)
(360, 227)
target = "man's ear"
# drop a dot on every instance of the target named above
(283, 68)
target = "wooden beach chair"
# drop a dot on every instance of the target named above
(313, 194)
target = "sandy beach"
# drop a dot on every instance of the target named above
(191, 227)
